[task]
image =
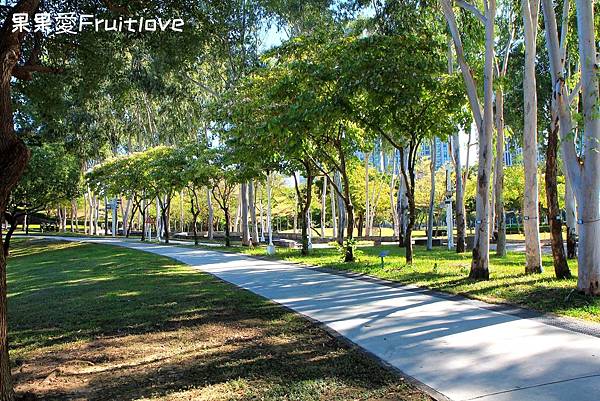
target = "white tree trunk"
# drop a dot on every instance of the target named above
(261, 213)
(211, 214)
(588, 201)
(531, 223)
(324, 207)
(392, 199)
(334, 225)
(341, 208)
(499, 175)
(244, 210)
(367, 208)
(252, 205)
(295, 227)
(96, 215)
(431, 196)
(402, 200)
(238, 214)
(269, 221)
(480, 263)
(181, 215)
(85, 214)
(126, 215)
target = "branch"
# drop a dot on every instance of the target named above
(470, 7)
(574, 92)
(25, 72)
(563, 32)
(203, 86)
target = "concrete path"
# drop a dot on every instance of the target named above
(461, 348)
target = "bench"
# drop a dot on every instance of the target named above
(286, 243)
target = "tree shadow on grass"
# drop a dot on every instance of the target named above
(148, 328)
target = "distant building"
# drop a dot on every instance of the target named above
(442, 153)
(513, 155)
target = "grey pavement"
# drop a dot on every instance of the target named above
(461, 348)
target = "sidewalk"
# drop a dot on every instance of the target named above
(460, 348)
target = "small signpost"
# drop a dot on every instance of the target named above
(382, 255)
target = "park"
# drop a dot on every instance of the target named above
(299, 200)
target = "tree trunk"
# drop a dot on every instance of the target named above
(85, 215)
(393, 208)
(269, 220)
(480, 263)
(227, 223)
(244, 214)
(402, 201)
(195, 227)
(341, 211)
(361, 221)
(587, 199)
(295, 227)
(531, 223)
(561, 268)
(571, 219)
(431, 196)
(499, 175)
(367, 205)
(323, 207)
(130, 222)
(238, 214)
(211, 215)
(460, 198)
(15, 156)
(334, 224)
(349, 257)
(410, 227)
(252, 204)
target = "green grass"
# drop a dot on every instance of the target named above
(447, 271)
(98, 322)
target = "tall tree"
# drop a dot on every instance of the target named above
(484, 122)
(531, 223)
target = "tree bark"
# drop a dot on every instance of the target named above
(244, 214)
(460, 199)
(227, 223)
(561, 268)
(323, 207)
(211, 215)
(334, 225)
(431, 196)
(367, 205)
(252, 205)
(499, 175)
(480, 263)
(570, 220)
(393, 207)
(588, 203)
(341, 211)
(402, 201)
(13, 160)
(531, 223)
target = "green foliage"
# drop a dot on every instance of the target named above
(52, 177)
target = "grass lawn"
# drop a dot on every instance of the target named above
(448, 271)
(97, 322)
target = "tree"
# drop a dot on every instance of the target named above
(484, 123)
(531, 224)
(431, 197)
(52, 176)
(197, 174)
(401, 91)
(581, 170)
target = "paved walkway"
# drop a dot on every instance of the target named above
(461, 348)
